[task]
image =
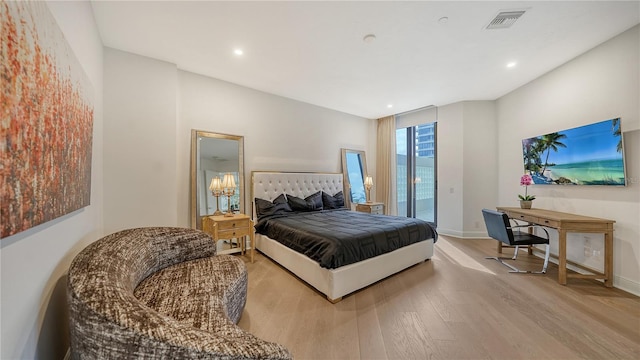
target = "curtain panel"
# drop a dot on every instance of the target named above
(386, 164)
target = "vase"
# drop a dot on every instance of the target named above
(525, 204)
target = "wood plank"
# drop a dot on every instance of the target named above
(456, 306)
(370, 341)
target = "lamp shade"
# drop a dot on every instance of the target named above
(229, 181)
(368, 181)
(215, 185)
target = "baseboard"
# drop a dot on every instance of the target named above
(454, 233)
(627, 285)
(463, 234)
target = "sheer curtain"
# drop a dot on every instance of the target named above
(386, 164)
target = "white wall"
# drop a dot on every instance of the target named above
(151, 107)
(601, 84)
(480, 178)
(279, 133)
(34, 263)
(450, 169)
(140, 151)
(467, 166)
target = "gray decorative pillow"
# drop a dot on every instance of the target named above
(332, 202)
(310, 203)
(281, 199)
(279, 206)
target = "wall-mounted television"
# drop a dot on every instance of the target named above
(586, 155)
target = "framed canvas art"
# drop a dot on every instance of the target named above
(46, 120)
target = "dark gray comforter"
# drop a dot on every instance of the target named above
(341, 237)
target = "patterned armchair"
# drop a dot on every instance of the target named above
(160, 293)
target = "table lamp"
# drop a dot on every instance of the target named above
(368, 184)
(229, 189)
(216, 190)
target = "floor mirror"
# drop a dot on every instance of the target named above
(214, 157)
(354, 170)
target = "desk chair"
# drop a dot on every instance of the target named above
(499, 227)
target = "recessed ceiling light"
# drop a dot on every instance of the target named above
(390, 106)
(238, 52)
(443, 20)
(512, 64)
(369, 38)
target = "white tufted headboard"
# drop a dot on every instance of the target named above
(268, 185)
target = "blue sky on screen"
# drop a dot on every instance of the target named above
(587, 143)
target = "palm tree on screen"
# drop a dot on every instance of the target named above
(538, 149)
(615, 123)
(531, 153)
(551, 142)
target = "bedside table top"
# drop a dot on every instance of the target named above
(371, 203)
(228, 218)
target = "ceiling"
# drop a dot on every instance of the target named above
(314, 51)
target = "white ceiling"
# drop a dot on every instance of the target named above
(314, 51)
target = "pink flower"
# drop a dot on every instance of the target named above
(526, 180)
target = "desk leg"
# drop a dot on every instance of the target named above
(608, 258)
(562, 257)
(499, 247)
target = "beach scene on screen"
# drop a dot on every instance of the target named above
(586, 155)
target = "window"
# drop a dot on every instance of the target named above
(416, 171)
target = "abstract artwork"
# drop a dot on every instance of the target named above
(46, 120)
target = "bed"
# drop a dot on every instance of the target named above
(334, 282)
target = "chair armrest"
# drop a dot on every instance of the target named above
(532, 226)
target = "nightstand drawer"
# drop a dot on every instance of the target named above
(233, 224)
(233, 233)
(376, 208)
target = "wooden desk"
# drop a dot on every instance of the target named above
(564, 223)
(231, 227)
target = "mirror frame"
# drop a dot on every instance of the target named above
(195, 151)
(345, 173)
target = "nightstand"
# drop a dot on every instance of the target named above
(230, 227)
(376, 208)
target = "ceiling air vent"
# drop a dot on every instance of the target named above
(505, 19)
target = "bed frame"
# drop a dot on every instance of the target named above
(334, 283)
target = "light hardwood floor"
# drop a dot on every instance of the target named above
(455, 306)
